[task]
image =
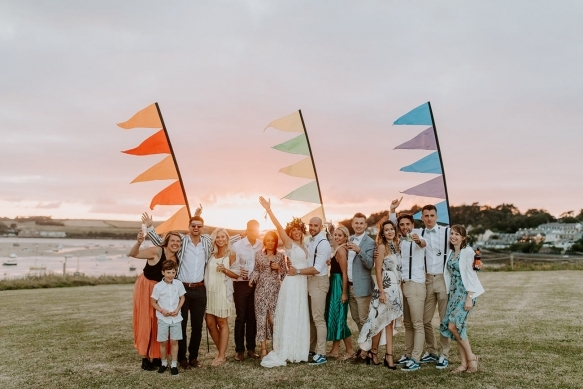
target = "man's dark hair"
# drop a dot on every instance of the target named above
(405, 216)
(359, 215)
(429, 207)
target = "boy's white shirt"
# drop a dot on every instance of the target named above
(168, 296)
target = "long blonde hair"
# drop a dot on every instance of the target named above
(345, 232)
(229, 249)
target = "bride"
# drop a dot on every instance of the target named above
(291, 329)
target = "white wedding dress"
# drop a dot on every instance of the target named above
(291, 327)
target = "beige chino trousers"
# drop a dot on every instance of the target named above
(317, 291)
(413, 305)
(359, 307)
(435, 294)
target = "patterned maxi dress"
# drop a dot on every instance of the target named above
(382, 314)
(458, 294)
(267, 283)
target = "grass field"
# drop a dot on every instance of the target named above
(527, 330)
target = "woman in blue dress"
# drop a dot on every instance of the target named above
(463, 287)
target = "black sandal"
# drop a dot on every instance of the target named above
(370, 358)
(387, 363)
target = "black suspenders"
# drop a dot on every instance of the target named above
(445, 239)
(410, 259)
(424, 252)
(316, 251)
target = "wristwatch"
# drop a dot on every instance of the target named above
(297, 272)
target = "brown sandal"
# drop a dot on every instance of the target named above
(460, 369)
(473, 365)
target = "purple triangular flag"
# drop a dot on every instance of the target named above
(431, 188)
(423, 141)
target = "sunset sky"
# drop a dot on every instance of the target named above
(504, 78)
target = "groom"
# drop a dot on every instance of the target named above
(319, 252)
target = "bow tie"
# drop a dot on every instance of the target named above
(312, 239)
(432, 230)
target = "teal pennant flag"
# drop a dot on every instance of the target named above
(442, 214)
(428, 164)
(297, 145)
(308, 192)
(418, 116)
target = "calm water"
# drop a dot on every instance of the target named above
(91, 257)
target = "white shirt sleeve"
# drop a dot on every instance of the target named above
(322, 256)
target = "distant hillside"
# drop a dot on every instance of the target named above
(79, 228)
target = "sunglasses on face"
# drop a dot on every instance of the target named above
(196, 225)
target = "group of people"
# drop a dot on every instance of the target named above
(299, 297)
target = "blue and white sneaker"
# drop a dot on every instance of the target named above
(318, 359)
(428, 358)
(403, 360)
(411, 365)
(442, 363)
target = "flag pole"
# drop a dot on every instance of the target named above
(313, 165)
(440, 160)
(174, 159)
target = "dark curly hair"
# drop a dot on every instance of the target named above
(295, 223)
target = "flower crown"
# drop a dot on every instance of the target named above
(295, 223)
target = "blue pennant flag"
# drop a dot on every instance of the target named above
(418, 116)
(442, 214)
(428, 164)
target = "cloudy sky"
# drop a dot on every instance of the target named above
(504, 79)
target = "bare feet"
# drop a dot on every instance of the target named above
(473, 365)
(263, 352)
(460, 369)
(218, 361)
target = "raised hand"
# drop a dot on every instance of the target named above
(395, 204)
(141, 237)
(198, 211)
(147, 220)
(265, 203)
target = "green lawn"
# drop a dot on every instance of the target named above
(527, 330)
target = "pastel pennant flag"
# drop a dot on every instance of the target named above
(303, 169)
(156, 144)
(423, 141)
(289, 123)
(146, 118)
(163, 170)
(431, 188)
(171, 195)
(297, 145)
(418, 116)
(178, 222)
(442, 213)
(318, 212)
(308, 193)
(428, 164)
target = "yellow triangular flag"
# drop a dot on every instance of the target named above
(318, 212)
(289, 123)
(178, 222)
(146, 118)
(304, 169)
(163, 170)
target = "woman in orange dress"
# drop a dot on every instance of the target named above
(144, 317)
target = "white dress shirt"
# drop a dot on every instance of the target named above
(245, 253)
(356, 239)
(193, 261)
(412, 253)
(318, 258)
(437, 248)
(168, 296)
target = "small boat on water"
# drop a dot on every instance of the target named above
(10, 262)
(13, 256)
(132, 268)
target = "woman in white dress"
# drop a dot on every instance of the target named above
(291, 329)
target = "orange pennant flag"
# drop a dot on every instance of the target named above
(178, 222)
(146, 118)
(318, 212)
(171, 195)
(163, 170)
(156, 144)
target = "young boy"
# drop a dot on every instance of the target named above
(167, 299)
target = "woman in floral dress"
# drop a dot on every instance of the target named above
(267, 275)
(463, 286)
(386, 304)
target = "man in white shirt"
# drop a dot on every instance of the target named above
(319, 252)
(413, 285)
(244, 296)
(437, 238)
